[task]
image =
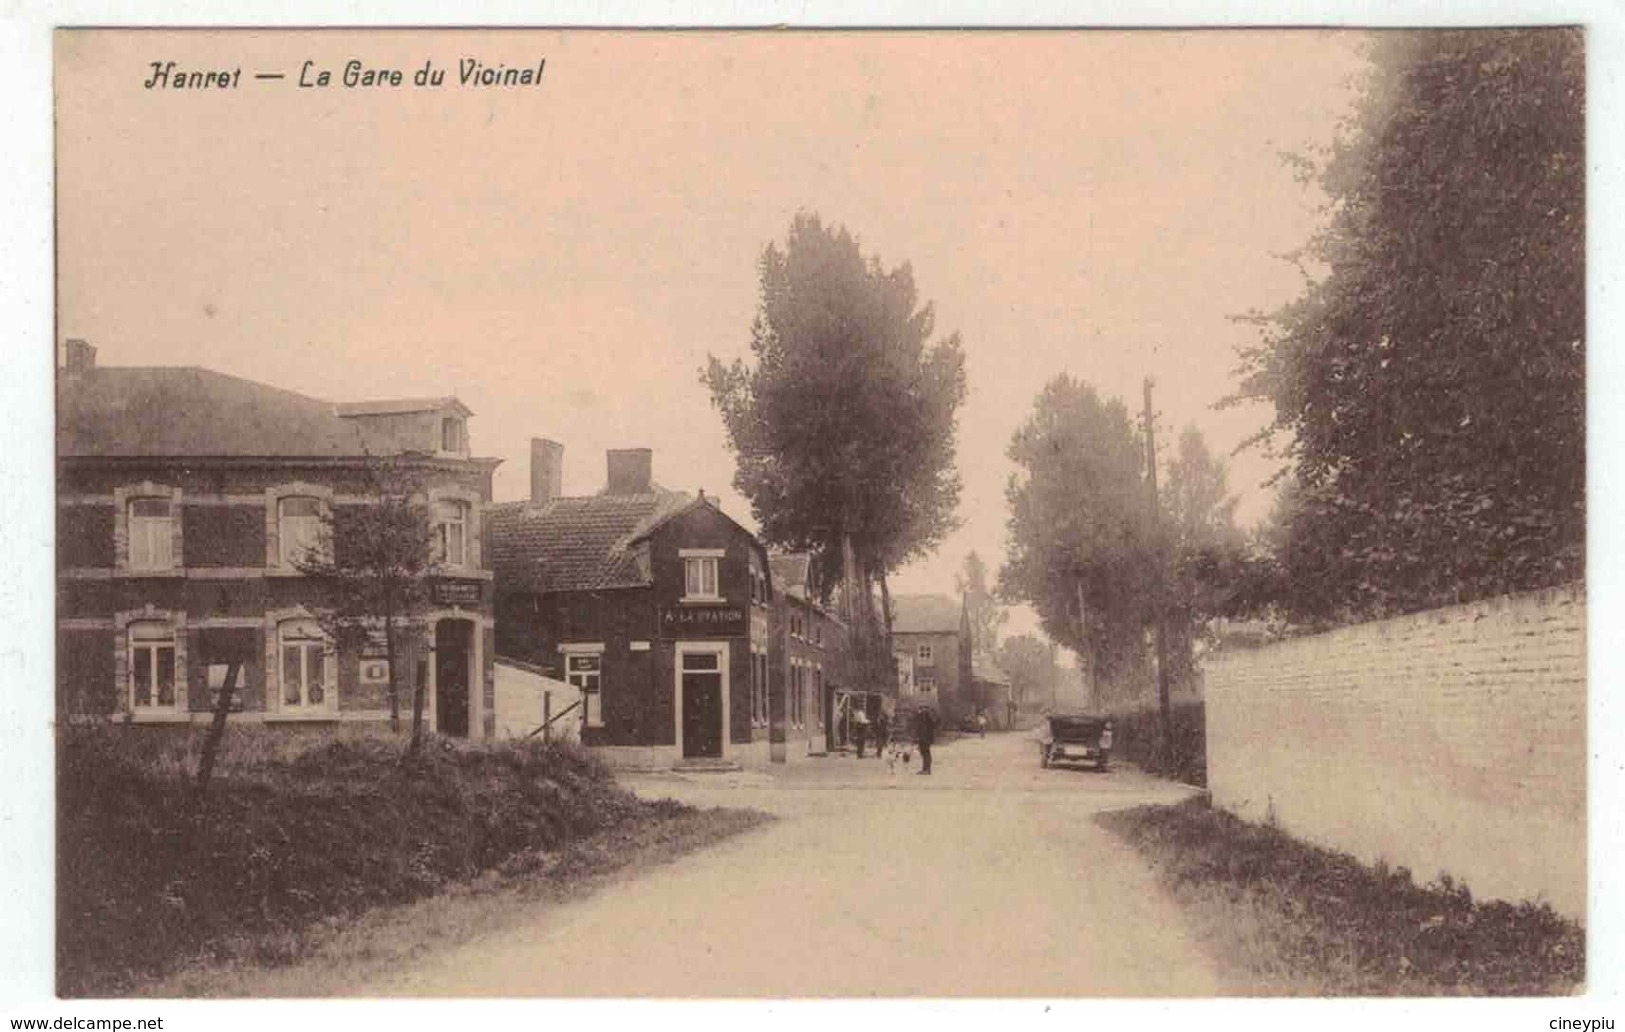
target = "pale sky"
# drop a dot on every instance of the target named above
(564, 257)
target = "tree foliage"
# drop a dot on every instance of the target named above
(842, 423)
(1030, 664)
(372, 568)
(1082, 546)
(1431, 383)
(986, 615)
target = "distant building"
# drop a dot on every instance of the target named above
(991, 693)
(654, 604)
(185, 497)
(812, 658)
(932, 633)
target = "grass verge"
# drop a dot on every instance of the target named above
(1287, 918)
(300, 838)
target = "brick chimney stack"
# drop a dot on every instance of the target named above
(546, 470)
(80, 358)
(631, 471)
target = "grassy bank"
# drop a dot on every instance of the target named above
(299, 835)
(1290, 919)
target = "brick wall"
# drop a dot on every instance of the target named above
(1447, 741)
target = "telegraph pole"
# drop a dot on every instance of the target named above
(1159, 588)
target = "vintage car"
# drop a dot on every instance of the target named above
(1075, 739)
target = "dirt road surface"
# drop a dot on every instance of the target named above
(986, 879)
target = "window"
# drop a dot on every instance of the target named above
(818, 694)
(700, 577)
(451, 533)
(152, 534)
(451, 435)
(924, 654)
(299, 528)
(152, 667)
(798, 704)
(217, 683)
(585, 671)
(758, 688)
(925, 682)
(307, 681)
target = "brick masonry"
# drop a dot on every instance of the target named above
(1451, 741)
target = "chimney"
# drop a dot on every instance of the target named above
(80, 358)
(546, 470)
(631, 471)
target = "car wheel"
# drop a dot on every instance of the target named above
(1043, 757)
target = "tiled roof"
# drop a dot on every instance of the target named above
(576, 544)
(924, 614)
(189, 411)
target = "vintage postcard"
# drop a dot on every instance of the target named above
(788, 514)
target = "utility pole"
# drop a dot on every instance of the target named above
(1158, 588)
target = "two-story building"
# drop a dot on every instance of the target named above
(931, 639)
(812, 664)
(655, 604)
(187, 500)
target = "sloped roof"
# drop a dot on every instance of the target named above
(925, 614)
(789, 572)
(400, 406)
(190, 411)
(577, 544)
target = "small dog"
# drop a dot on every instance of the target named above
(896, 754)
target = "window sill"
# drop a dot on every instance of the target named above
(171, 572)
(703, 600)
(314, 717)
(160, 717)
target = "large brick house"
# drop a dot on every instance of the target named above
(653, 603)
(185, 499)
(931, 642)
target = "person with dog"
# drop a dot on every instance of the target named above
(925, 735)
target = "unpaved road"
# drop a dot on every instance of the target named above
(987, 879)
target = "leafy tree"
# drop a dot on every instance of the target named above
(373, 567)
(1430, 384)
(986, 614)
(842, 425)
(1083, 547)
(1029, 662)
(1207, 553)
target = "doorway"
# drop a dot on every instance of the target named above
(453, 646)
(702, 679)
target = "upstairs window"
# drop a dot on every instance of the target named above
(700, 577)
(307, 681)
(451, 533)
(152, 534)
(299, 528)
(453, 435)
(152, 667)
(924, 654)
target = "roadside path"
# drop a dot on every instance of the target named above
(987, 879)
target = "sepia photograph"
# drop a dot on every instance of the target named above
(819, 514)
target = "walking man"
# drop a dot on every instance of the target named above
(882, 733)
(925, 733)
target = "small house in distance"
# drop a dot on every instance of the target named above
(653, 604)
(931, 635)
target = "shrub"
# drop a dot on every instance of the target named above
(295, 829)
(1136, 733)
